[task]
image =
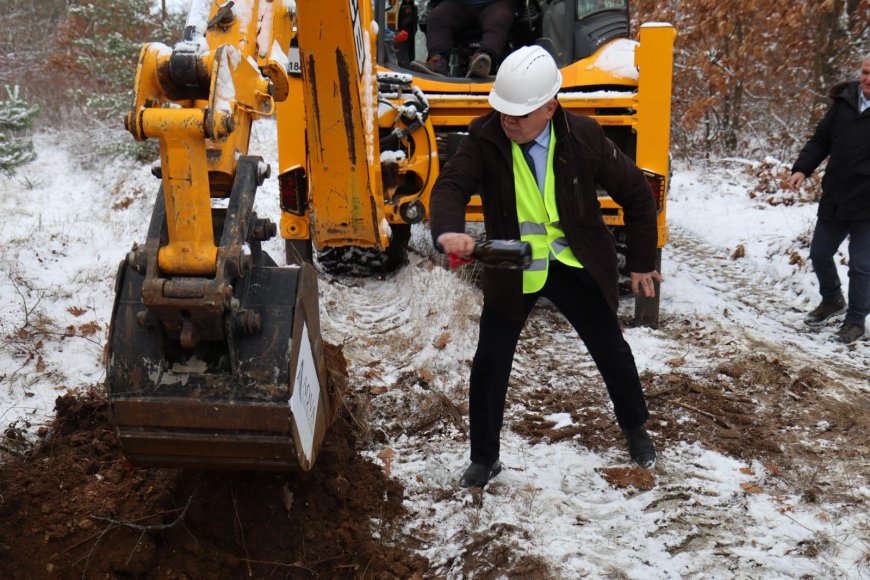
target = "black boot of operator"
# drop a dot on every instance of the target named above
(640, 447)
(436, 65)
(827, 309)
(478, 474)
(479, 66)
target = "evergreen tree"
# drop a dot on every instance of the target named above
(104, 38)
(16, 116)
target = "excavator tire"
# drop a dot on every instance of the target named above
(364, 262)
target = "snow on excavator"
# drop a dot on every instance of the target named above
(215, 358)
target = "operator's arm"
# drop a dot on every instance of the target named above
(460, 177)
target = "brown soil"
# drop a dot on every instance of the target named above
(72, 507)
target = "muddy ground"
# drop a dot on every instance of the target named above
(72, 507)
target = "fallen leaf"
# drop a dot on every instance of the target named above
(442, 341)
(747, 470)
(773, 469)
(76, 311)
(751, 488)
(387, 457)
(89, 328)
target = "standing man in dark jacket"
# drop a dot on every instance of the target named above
(536, 167)
(843, 135)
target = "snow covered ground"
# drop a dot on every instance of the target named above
(736, 287)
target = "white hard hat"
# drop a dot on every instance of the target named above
(527, 79)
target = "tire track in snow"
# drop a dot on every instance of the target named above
(761, 315)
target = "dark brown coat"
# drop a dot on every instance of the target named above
(584, 157)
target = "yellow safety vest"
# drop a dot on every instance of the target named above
(539, 219)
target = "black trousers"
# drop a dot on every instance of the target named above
(577, 296)
(447, 21)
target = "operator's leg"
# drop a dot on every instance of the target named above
(578, 297)
(443, 23)
(859, 273)
(490, 372)
(828, 236)
(496, 20)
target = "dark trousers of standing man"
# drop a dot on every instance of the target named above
(577, 296)
(828, 236)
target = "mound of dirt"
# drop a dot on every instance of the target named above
(73, 507)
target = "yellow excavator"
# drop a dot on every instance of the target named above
(215, 358)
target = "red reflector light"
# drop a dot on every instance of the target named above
(293, 186)
(656, 183)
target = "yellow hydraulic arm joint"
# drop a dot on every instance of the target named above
(191, 249)
(199, 100)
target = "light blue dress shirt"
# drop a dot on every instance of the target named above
(539, 152)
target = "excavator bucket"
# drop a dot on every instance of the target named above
(253, 399)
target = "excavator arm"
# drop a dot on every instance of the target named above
(215, 358)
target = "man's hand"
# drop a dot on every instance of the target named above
(644, 284)
(456, 244)
(795, 180)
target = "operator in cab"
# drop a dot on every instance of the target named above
(449, 19)
(536, 167)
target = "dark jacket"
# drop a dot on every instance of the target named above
(844, 135)
(584, 157)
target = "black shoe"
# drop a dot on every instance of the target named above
(479, 66)
(849, 333)
(825, 310)
(478, 474)
(640, 447)
(435, 65)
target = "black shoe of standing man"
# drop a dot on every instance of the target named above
(641, 447)
(826, 310)
(478, 474)
(849, 333)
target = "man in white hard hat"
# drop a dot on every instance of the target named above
(536, 168)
